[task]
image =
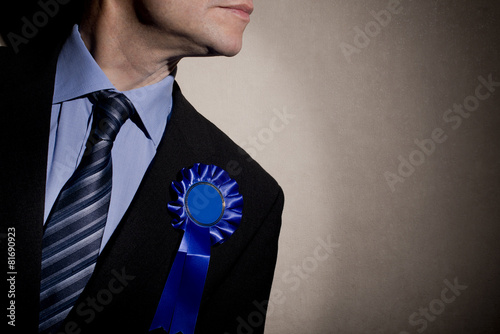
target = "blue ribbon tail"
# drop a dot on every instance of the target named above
(166, 306)
(180, 301)
(193, 281)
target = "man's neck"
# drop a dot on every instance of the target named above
(121, 48)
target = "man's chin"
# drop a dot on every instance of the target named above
(228, 49)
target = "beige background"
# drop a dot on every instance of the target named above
(392, 249)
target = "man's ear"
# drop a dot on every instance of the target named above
(2, 42)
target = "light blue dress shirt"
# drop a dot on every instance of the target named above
(77, 74)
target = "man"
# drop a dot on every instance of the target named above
(50, 101)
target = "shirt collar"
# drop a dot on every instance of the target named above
(154, 105)
(78, 74)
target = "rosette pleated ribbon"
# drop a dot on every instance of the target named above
(208, 209)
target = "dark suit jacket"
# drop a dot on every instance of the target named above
(130, 274)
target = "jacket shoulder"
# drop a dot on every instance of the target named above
(217, 148)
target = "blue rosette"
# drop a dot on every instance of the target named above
(208, 209)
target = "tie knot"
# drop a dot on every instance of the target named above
(111, 111)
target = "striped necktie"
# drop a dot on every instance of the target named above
(74, 228)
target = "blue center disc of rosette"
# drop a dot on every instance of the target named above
(205, 204)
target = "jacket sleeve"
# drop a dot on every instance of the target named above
(239, 304)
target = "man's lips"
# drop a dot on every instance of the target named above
(247, 8)
(244, 10)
